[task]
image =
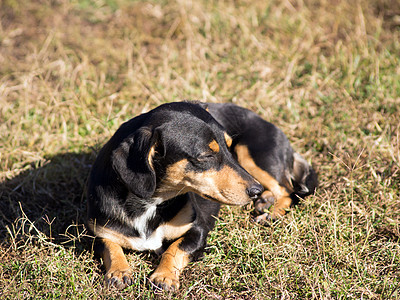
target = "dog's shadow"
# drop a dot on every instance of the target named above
(46, 201)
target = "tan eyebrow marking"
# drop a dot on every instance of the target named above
(214, 146)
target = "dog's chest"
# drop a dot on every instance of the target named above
(146, 240)
(141, 223)
(169, 230)
(152, 242)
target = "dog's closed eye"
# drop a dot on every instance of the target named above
(206, 156)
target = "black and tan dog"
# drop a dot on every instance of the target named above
(151, 184)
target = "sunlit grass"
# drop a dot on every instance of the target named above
(326, 72)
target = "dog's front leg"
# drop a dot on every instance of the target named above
(118, 272)
(173, 261)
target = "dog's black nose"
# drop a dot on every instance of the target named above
(255, 191)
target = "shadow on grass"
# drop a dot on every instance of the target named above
(47, 201)
(45, 205)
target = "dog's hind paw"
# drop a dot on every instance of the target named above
(119, 279)
(265, 219)
(166, 281)
(264, 203)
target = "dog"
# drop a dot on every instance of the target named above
(265, 152)
(158, 183)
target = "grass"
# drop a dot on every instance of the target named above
(326, 72)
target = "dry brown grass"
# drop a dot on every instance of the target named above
(326, 72)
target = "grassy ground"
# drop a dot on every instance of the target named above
(326, 72)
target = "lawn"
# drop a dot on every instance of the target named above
(326, 72)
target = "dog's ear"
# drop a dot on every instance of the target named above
(133, 161)
(203, 105)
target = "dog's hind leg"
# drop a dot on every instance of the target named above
(273, 189)
(280, 206)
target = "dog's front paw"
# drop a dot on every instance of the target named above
(119, 278)
(165, 280)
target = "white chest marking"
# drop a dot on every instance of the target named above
(153, 242)
(140, 223)
(175, 228)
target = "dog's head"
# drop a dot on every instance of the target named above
(179, 148)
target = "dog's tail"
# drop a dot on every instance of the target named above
(304, 178)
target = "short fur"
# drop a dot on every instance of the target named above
(159, 181)
(151, 185)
